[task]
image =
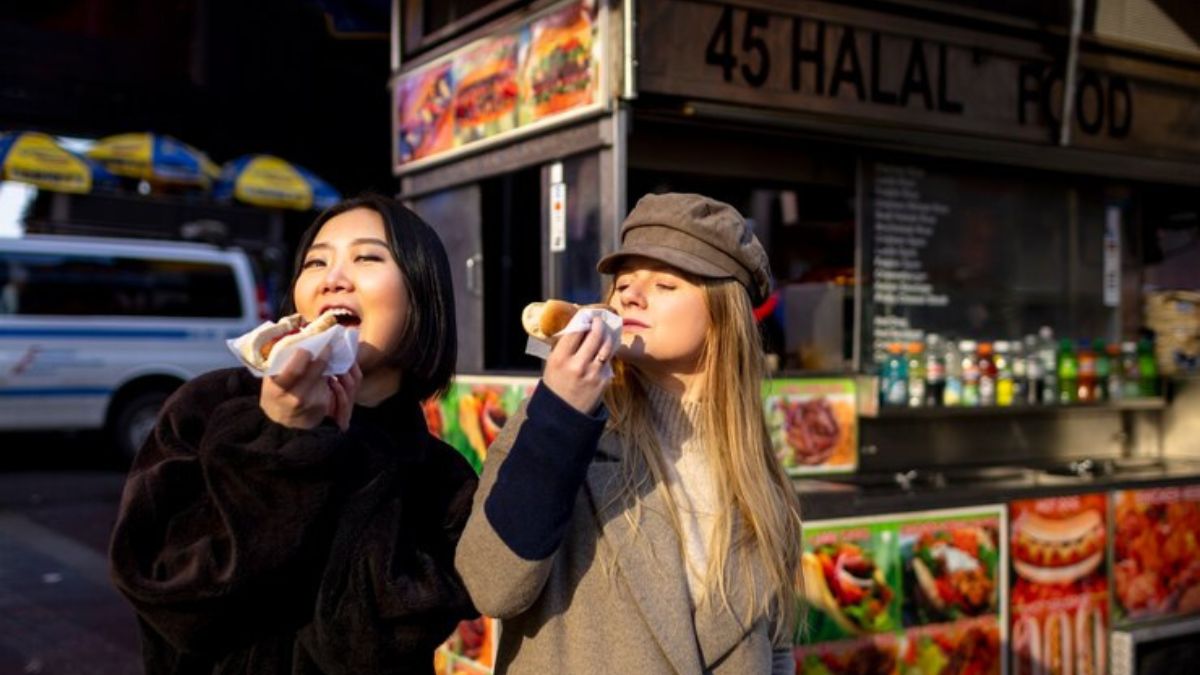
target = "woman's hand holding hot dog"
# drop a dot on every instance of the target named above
(574, 368)
(300, 396)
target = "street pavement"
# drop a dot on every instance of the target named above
(59, 613)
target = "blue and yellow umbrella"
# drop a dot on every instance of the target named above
(156, 158)
(36, 158)
(265, 180)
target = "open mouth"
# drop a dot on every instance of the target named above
(345, 317)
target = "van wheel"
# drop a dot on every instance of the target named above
(134, 421)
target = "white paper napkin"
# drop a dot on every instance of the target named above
(343, 351)
(581, 323)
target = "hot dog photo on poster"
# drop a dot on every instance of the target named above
(1059, 594)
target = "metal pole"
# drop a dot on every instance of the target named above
(629, 52)
(1068, 107)
(397, 37)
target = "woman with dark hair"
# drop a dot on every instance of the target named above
(303, 523)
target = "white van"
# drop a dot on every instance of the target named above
(97, 332)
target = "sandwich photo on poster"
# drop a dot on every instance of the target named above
(873, 655)
(425, 122)
(470, 650)
(972, 646)
(472, 413)
(1059, 593)
(561, 69)
(1156, 552)
(813, 424)
(485, 101)
(920, 593)
(951, 569)
(850, 581)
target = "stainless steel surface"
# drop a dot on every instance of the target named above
(613, 183)
(955, 146)
(628, 50)
(925, 439)
(474, 275)
(458, 32)
(522, 152)
(857, 358)
(1150, 406)
(878, 492)
(1174, 628)
(456, 215)
(395, 39)
(1181, 421)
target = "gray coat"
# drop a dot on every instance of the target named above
(603, 601)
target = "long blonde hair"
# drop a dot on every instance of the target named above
(763, 531)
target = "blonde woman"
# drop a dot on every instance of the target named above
(642, 525)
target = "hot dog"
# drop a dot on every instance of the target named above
(1057, 644)
(1027, 647)
(1058, 550)
(270, 339)
(1090, 640)
(544, 320)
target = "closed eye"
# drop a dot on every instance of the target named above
(313, 262)
(369, 257)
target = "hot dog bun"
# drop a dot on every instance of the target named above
(1091, 640)
(1058, 550)
(268, 340)
(1027, 647)
(543, 320)
(1056, 644)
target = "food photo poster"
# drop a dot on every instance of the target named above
(544, 71)
(913, 593)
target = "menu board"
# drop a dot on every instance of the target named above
(544, 71)
(813, 424)
(978, 254)
(912, 593)
(1059, 593)
(1156, 553)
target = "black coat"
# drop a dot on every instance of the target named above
(248, 547)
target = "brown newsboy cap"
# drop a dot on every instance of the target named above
(696, 234)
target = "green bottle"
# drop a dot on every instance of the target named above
(1068, 372)
(1147, 369)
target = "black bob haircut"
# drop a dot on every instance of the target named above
(428, 346)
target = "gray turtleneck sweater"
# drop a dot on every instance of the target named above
(694, 489)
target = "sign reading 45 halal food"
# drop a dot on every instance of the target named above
(825, 58)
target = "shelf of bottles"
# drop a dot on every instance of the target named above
(1038, 373)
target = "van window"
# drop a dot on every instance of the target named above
(93, 285)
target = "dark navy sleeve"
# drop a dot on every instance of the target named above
(535, 491)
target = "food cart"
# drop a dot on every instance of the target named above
(921, 169)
